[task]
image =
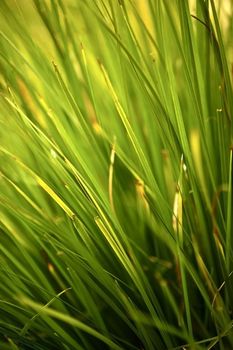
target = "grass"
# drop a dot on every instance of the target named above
(116, 174)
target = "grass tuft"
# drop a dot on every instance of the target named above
(116, 174)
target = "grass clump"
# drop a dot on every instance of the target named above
(116, 174)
